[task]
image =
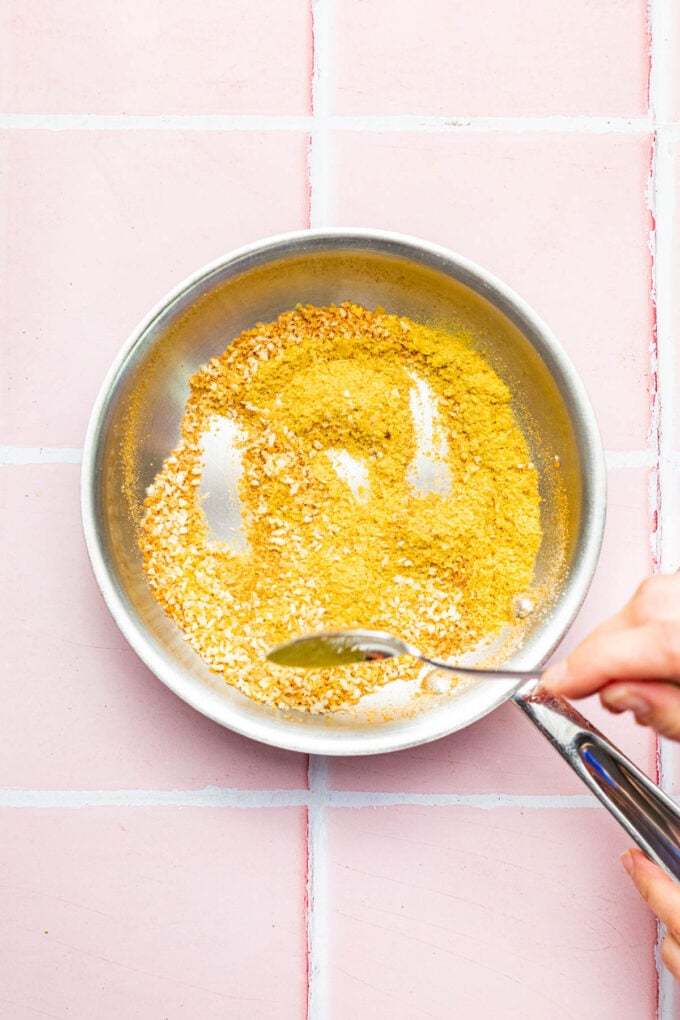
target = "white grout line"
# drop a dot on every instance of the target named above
(662, 359)
(662, 54)
(663, 18)
(483, 125)
(665, 765)
(315, 799)
(317, 890)
(656, 51)
(617, 460)
(654, 487)
(666, 295)
(319, 143)
(40, 455)
(368, 122)
(317, 920)
(663, 207)
(209, 796)
(666, 982)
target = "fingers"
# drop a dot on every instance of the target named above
(641, 642)
(657, 598)
(638, 653)
(653, 704)
(663, 896)
(656, 888)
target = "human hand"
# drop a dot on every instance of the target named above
(629, 656)
(663, 896)
(630, 659)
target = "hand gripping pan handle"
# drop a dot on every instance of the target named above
(650, 817)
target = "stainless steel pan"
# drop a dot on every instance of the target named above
(135, 425)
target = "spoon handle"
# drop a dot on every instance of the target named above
(493, 674)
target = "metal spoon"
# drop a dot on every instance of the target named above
(341, 647)
(650, 817)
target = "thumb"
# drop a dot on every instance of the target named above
(653, 703)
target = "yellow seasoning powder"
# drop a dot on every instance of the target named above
(384, 484)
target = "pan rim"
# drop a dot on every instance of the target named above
(421, 729)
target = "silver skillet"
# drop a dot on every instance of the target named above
(135, 425)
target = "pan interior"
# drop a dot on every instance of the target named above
(136, 426)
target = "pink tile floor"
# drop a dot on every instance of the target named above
(152, 864)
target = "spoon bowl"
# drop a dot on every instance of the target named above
(329, 648)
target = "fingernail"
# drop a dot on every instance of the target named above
(620, 699)
(628, 863)
(555, 676)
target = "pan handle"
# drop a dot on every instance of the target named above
(650, 817)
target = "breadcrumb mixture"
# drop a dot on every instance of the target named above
(440, 568)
